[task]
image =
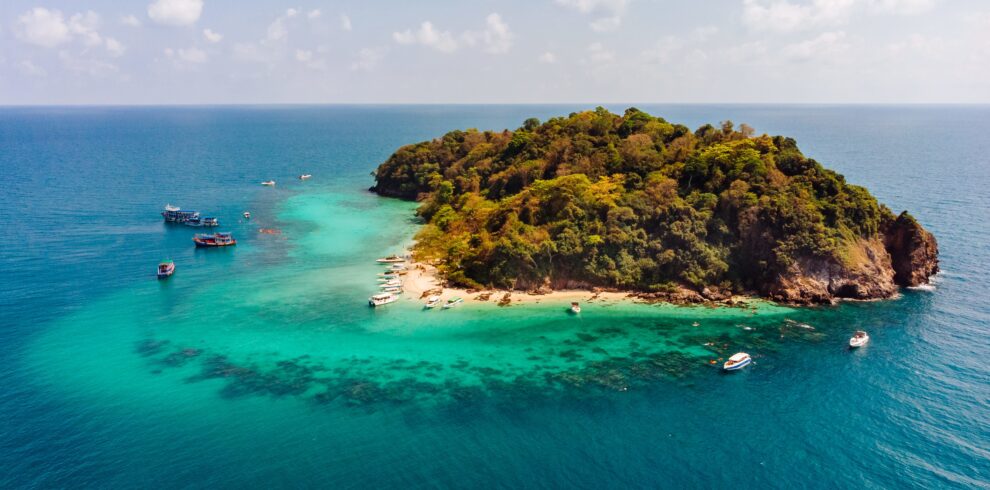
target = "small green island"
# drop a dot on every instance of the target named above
(636, 203)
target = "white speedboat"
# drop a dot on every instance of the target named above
(859, 339)
(382, 299)
(452, 302)
(738, 360)
(432, 301)
(392, 289)
(575, 308)
(398, 267)
(391, 259)
(304, 176)
(247, 215)
(269, 183)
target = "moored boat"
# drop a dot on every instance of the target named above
(392, 289)
(165, 269)
(738, 360)
(174, 214)
(859, 339)
(218, 239)
(391, 259)
(432, 301)
(197, 221)
(392, 283)
(304, 176)
(270, 183)
(575, 307)
(247, 215)
(452, 302)
(382, 299)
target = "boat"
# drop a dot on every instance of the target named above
(859, 339)
(738, 360)
(398, 267)
(269, 183)
(432, 302)
(382, 299)
(304, 176)
(391, 259)
(392, 289)
(575, 307)
(215, 240)
(389, 284)
(247, 215)
(173, 214)
(197, 221)
(452, 302)
(165, 269)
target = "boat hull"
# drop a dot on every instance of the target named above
(737, 366)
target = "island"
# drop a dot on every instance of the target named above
(637, 204)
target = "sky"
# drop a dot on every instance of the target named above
(485, 51)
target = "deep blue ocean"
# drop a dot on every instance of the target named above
(262, 366)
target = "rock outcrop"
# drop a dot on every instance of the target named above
(913, 250)
(866, 274)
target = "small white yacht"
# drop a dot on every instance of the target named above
(391, 259)
(304, 176)
(738, 360)
(247, 215)
(382, 299)
(270, 183)
(859, 339)
(575, 308)
(432, 301)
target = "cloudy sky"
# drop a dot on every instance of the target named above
(261, 51)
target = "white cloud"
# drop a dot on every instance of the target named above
(705, 33)
(598, 55)
(824, 47)
(548, 58)
(429, 36)
(29, 68)
(212, 36)
(85, 26)
(277, 30)
(314, 14)
(130, 20)
(496, 38)
(88, 66)
(114, 47)
(786, 16)
(304, 56)
(610, 12)
(664, 51)
(43, 27)
(368, 59)
(188, 55)
(345, 22)
(175, 12)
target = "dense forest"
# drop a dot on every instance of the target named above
(635, 202)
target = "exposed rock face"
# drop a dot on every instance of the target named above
(866, 275)
(913, 250)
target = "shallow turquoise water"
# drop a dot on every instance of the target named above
(261, 364)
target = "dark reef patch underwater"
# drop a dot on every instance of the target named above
(262, 364)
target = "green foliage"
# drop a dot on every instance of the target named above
(627, 201)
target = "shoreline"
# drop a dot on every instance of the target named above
(421, 279)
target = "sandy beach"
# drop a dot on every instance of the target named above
(422, 279)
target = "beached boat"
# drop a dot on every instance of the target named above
(269, 183)
(214, 240)
(738, 360)
(165, 269)
(397, 267)
(452, 302)
(859, 339)
(247, 215)
(391, 259)
(432, 302)
(173, 214)
(575, 307)
(392, 283)
(392, 289)
(304, 176)
(382, 299)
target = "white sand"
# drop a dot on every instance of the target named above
(421, 278)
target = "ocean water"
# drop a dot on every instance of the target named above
(261, 364)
